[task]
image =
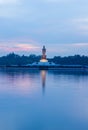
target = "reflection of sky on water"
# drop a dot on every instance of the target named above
(18, 81)
(63, 104)
(23, 81)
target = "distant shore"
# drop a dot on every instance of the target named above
(58, 67)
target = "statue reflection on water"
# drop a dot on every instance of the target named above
(43, 76)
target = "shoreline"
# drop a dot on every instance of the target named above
(58, 67)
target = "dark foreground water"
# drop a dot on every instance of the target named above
(43, 100)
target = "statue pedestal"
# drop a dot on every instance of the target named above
(43, 60)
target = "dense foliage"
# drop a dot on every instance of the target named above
(71, 60)
(14, 59)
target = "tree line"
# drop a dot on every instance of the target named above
(14, 59)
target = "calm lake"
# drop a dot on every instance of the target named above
(43, 100)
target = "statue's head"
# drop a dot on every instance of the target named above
(44, 48)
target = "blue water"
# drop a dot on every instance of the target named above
(43, 100)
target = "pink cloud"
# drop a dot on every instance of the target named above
(26, 47)
(18, 47)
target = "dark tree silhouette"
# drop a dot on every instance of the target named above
(14, 59)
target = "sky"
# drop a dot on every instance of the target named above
(60, 25)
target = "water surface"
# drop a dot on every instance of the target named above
(43, 100)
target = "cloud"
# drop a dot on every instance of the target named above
(18, 47)
(81, 25)
(46, 21)
(4, 2)
(80, 44)
(26, 47)
(54, 1)
(9, 8)
(52, 50)
(67, 49)
(57, 1)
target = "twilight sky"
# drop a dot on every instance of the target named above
(60, 25)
